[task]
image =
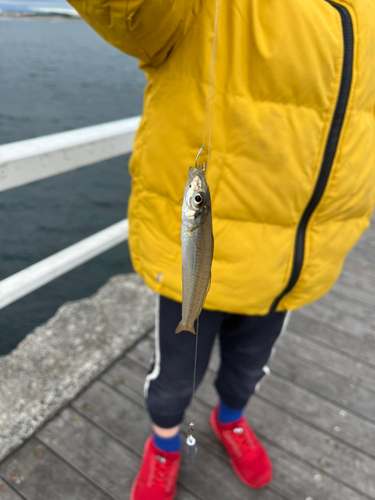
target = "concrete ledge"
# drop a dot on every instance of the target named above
(58, 359)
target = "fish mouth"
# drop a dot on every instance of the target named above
(196, 171)
(197, 179)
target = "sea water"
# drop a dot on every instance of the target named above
(57, 76)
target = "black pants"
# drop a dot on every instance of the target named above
(246, 343)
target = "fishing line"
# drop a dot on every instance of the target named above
(210, 92)
(213, 63)
(195, 366)
(190, 451)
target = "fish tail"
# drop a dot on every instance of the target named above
(184, 328)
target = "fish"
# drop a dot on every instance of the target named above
(197, 244)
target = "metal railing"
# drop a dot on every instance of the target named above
(35, 159)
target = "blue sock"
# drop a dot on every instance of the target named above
(227, 415)
(168, 444)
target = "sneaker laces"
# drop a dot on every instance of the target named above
(162, 470)
(241, 438)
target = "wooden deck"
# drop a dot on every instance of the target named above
(315, 414)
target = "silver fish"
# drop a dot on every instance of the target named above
(197, 244)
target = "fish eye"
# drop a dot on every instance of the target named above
(198, 199)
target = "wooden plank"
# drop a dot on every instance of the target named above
(302, 481)
(7, 493)
(142, 352)
(108, 464)
(323, 414)
(326, 384)
(346, 464)
(355, 305)
(128, 376)
(347, 343)
(358, 282)
(37, 474)
(342, 320)
(366, 239)
(207, 395)
(208, 477)
(350, 287)
(366, 253)
(291, 477)
(129, 423)
(103, 459)
(365, 245)
(214, 478)
(355, 372)
(333, 305)
(359, 273)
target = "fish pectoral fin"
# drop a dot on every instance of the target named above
(184, 328)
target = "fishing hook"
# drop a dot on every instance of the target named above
(196, 159)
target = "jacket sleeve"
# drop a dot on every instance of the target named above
(146, 29)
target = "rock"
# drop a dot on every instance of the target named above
(58, 359)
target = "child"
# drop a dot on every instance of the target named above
(246, 343)
(291, 176)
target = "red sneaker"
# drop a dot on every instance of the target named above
(157, 477)
(248, 457)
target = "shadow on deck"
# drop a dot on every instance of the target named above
(315, 413)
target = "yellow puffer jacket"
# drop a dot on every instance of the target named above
(292, 161)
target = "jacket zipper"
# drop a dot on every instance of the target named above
(329, 153)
